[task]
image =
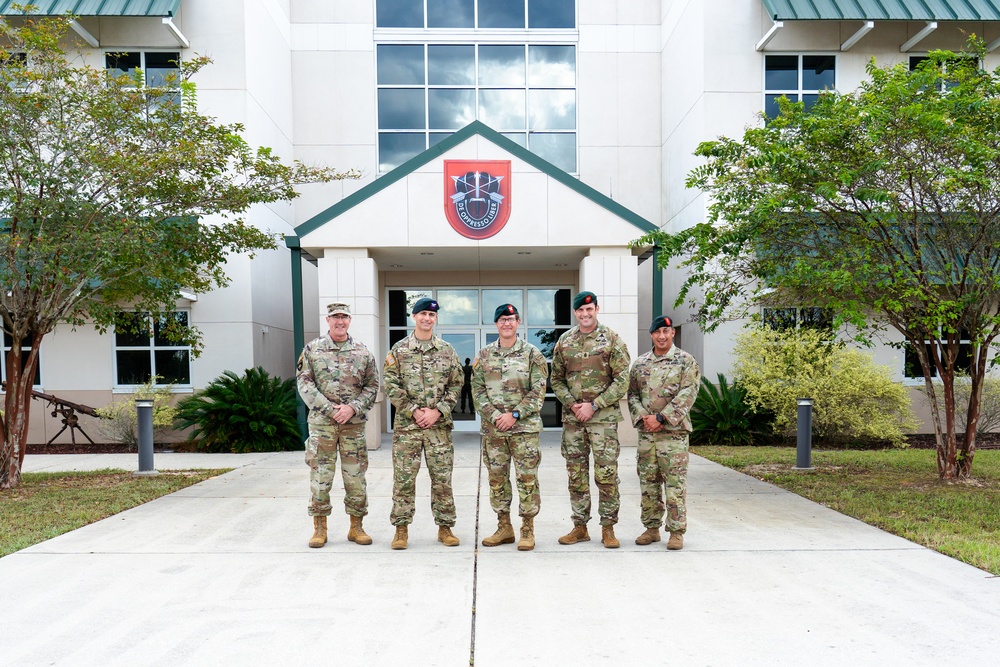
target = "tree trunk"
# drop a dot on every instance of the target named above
(17, 407)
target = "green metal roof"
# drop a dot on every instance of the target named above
(94, 7)
(474, 128)
(884, 10)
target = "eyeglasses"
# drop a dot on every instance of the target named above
(339, 316)
(507, 320)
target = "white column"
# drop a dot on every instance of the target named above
(350, 276)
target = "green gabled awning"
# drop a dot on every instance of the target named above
(94, 7)
(883, 10)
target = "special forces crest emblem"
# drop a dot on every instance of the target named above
(477, 196)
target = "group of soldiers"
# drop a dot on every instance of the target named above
(423, 378)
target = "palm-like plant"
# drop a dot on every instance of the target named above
(253, 413)
(721, 416)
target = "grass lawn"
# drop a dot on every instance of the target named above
(47, 504)
(896, 490)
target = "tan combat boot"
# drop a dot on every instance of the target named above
(319, 532)
(399, 541)
(504, 534)
(651, 535)
(608, 538)
(578, 534)
(527, 541)
(357, 532)
(445, 535)
(676, 541)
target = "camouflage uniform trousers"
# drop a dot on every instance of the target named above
(321, 455)
(498, 450)
(662, 463)
(439, 454)
(578, 442)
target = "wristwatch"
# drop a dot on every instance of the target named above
(516, 414)
(660, 418)
(593, 406)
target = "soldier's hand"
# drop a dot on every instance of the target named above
(343, 414)
(583, 411)
(426, 417)
(651, 423)
(505, 421)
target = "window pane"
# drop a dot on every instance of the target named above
(451, 65)
(451, 109)
(502, 109)
(545, 339)
(809, 100)
(552, 110)
(395, 148)
(399, 14)
(781, 72)
(434, 137)
(771, 103)
(559, 149)
(400, 64)
(132, 330)
(548, 306)
(449, 13)
(551, 13)
(122, 63)
(551, 66)
(173, 366)
(505, 14)
(458, 306)
(134, 366)
(492, 298)
(161, 67)
(501, 65)
(819, 72)
(401, 109)
(779, 319)
(163, 327)
(400, 304)
(520, 138)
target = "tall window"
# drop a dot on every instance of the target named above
(527, 92)
(800, 78)
(781, 319)
(142, 350)
(482, 14)
(911, 362)
(159, 69)
(8, 343)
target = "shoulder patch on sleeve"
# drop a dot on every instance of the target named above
(389, 359)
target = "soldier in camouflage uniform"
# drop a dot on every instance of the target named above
(508, 389)
(663, 385)
(589, 377)
(338, 382)
(423, 378)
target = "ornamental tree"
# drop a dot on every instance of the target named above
(112, 195)
(882, 204)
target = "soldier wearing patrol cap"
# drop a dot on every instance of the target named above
(508, 389)
(589, 377)
(423, 378)
(663, 385)
(338, 382)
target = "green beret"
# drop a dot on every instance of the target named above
(659, 322)
(505, 309)
(425, 304)
(584, 298)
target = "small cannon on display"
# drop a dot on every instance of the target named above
(68, 410)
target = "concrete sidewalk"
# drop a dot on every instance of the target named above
(220, 574)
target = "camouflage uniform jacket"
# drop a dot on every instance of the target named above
(666, 385)
(332, 373)
(591, 367)
(422, 374)
(504, 380)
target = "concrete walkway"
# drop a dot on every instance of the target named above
(220, 574)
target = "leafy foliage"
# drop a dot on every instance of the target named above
(989, 404)
(252, 413)
(112, 194)
(119, 420)
(722, 416)
(855, 398)
(881, 204)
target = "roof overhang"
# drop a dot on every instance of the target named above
(165, 10)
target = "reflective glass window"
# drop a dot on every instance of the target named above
(451, 65)
(502, 109)
(450, 13)
(551, 109)
(818, 72)
(501, 14)
(399, 14)
(559, 149)
(501, 65)
(781, 72)
(401, 109)
(520, 138)
(458, 306)
(395, 148)
(551, 13)
(549, 306)
(545, 339)
(451, 108)
(401, 303)
(400, 64)
(492, 298)
(552, 66)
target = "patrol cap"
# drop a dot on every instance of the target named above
(583, 298)
(425, 304)
(659, 322)
(338, 309)
(504, 310)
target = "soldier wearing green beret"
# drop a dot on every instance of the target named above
(338, 382)
(423, 378)
(508, 389)
(589, 377)
(663, 385)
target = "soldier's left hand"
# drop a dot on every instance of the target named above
(505, 421)
(651, 423)
(583, 411)
(343, 414)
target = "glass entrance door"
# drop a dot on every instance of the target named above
(466, 343)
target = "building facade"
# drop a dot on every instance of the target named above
(571, 121)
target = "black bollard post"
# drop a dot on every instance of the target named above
(144, 417)
(803, 453)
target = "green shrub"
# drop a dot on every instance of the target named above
(120, 424)
(722, 416)
(855, 398)
(253, 413)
